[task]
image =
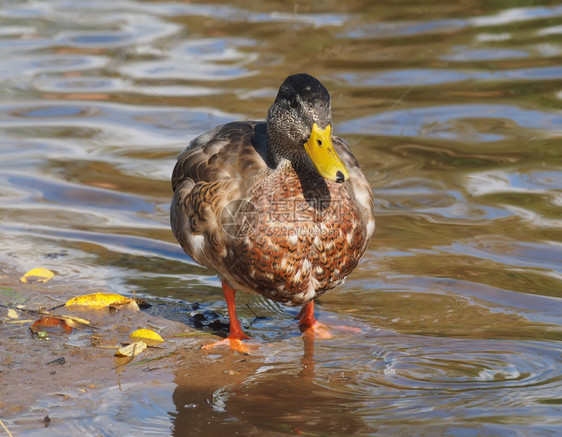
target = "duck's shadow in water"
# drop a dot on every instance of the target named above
(275, 400)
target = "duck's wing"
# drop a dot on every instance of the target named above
(216, 168)
(228, 151)
(358, 187)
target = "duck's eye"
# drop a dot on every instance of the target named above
(319, 142)
(294, 103)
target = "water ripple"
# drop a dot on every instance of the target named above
(452, 122)
(468, 367)
(417, 28)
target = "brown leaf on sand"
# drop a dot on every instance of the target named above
(50, 323)
(131, 350)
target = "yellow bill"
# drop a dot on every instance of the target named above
(321, 151)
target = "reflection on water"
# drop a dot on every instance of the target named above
(453, 111)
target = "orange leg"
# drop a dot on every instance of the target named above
(236, 332)
(236, 335)
(308, 323)
(306, 316)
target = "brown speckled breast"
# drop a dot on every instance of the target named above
(303, 235)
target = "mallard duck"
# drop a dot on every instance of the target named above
(279, 208)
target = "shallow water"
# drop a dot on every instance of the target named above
(454, 112)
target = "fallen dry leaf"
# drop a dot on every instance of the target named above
(13, 314)
(73, 321)
(39, 274)
(102, 300)
(50, 323)
(150, 337)
(131, 350)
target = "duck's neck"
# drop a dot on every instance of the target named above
(287, 155)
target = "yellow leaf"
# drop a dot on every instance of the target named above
(13, 314)
(150, 337)
(40, 274)
(131, 350)
(73, 321)
(101, 300)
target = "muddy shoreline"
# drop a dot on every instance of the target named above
(69, 368)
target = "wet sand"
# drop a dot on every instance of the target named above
(90, 368)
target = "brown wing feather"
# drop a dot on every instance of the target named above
(222, 153)
(210, 172)
(358, 187)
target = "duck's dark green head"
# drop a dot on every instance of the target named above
(300, 120)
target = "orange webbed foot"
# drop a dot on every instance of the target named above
(235, 344)
(310, 326)
(234, 340)
(318, 330)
